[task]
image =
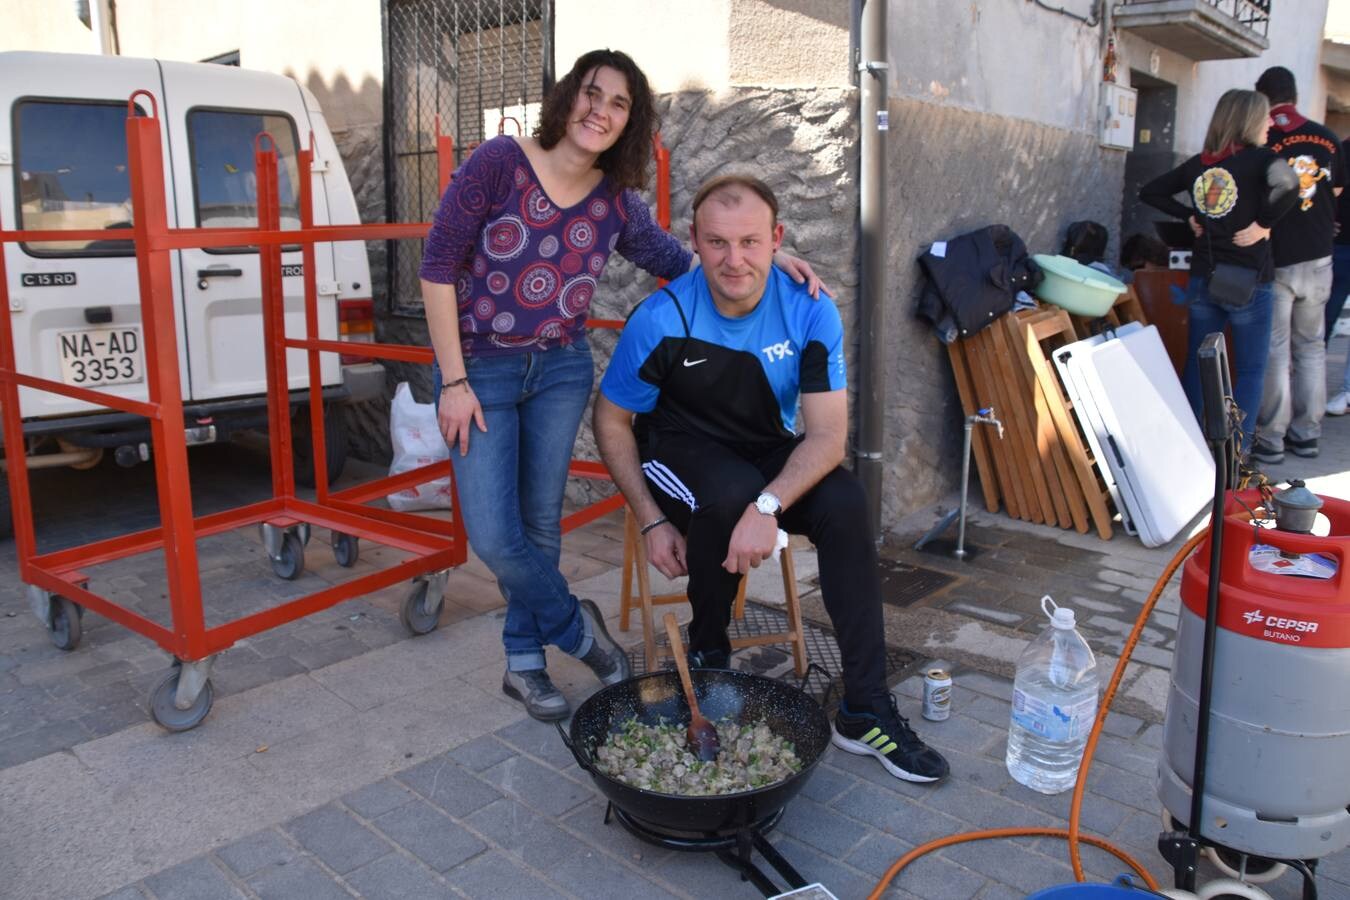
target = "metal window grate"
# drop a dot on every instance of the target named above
(1251, 14)
(482, 66)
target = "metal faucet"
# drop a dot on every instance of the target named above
(984, 416)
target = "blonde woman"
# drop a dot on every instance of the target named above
(1235, 190)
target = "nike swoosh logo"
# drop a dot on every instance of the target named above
(688, 363)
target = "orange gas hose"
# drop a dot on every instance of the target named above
(1071, 834)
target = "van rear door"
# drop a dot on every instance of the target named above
(74, 305)
(215, 113)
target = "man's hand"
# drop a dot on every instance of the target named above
(459, 405)
(1252, 234)
(800, 271)
(752, 541)
(666, 551)
(1195, 226)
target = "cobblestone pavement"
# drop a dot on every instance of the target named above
(345, 759)
(510, 815)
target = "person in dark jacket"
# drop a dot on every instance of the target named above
(1237, 190)
(1295, 395)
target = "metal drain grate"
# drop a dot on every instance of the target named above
(775, 661)
(904, 585)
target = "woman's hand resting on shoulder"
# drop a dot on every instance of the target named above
(801, 272)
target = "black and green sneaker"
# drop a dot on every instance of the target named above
(886, 734)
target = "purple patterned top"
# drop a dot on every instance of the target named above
(524, 270)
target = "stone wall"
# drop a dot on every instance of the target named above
(951, 171)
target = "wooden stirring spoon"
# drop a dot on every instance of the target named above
(702, 734)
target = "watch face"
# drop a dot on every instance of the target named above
(767, 504)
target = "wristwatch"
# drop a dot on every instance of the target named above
(769, 505)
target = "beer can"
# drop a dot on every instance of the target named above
(937, 695)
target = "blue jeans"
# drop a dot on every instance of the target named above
(510, 487)
(1249, 350)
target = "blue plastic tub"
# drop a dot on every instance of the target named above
(1088, 891)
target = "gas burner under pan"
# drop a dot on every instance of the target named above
(733, 846)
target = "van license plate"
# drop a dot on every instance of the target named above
(101, 356)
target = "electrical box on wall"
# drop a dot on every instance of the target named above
(1118, 106)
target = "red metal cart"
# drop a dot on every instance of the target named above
(57, 582)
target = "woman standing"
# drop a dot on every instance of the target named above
(1237, 189)
(520, 239)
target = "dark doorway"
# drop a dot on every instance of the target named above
(479, 66)
(1153, 153)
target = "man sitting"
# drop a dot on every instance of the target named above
(713, 367)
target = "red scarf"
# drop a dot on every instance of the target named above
(1210, 159)
(1285, 118)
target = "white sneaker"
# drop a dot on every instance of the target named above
(1338, 404)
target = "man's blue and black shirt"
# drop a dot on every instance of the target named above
(734, 381)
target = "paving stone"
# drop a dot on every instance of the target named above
(538, 739)
(1129, 754)
(588, 823)
(494, 875)
(429, 835)
(126, 893)
(827, 783)
(987, 771)
(702, 875)
(335, 837)
(843, 881)
(982, 808)
(930, 877)
(397, 877)
(294, 880)
(997, 891)
(196, 879)
(376, 799)
(481, 753)
(896, 815)
(254, 674)
(997, 616)
(1012, 864)
(960, 733)
(251, 854)
(1100, 815)
(446, 784)
(1124, 787)
(537, 785)
(1122, 725)
(821, 827)
(37, 742)
(1000, 688)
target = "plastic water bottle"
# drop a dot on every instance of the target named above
(1054, 704)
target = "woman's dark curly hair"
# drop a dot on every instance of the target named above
(626, 162)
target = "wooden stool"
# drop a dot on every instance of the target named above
(635, 562)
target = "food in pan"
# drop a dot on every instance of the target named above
(657, 758)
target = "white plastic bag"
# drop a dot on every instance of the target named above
(418, 442)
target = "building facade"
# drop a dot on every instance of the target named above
(994, 115)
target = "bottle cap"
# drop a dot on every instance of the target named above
(1060, 616)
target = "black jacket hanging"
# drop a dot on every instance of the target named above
(973, 279)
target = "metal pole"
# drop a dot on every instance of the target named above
(872, 290)
(960, 552)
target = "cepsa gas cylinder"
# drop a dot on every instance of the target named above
(1277, 778)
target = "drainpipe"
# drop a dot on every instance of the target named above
(872, 286)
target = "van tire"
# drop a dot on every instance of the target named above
(334, 438)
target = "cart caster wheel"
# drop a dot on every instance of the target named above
(346, 549)
(1259, 870)
(66, 628)
(413, 614)
(172, 718)
(292, 561)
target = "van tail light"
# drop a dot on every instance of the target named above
(356, 323)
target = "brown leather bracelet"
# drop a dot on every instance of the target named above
(456, 383)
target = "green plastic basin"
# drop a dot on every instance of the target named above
(1081, 290)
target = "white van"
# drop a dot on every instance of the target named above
(74, 305)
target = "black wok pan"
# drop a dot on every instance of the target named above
(721, 694)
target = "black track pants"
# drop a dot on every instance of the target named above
(704, 488)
